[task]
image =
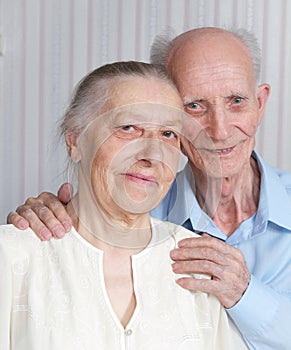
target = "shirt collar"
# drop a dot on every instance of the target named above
(274, 203)
(184, 206)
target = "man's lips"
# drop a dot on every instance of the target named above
(140, 178)
(217, 151)
(222, 151)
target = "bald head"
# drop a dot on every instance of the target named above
(207, 47)
(164, 47)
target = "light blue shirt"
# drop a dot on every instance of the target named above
(263, 314)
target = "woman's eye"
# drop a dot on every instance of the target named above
(127, 132)
(127, 128)
(169, 134)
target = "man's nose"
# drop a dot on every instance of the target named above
(218, 125)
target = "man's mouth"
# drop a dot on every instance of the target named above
(222, 151)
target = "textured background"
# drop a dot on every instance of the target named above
(46, 46)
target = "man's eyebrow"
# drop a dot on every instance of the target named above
(194, 99)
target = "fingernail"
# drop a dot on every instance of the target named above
(22, 224)
(46, 234)
(67, 225)
(173, 254)
(174, 266)
(182, 244)
(59, 232)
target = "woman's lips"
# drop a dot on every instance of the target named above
(140, 178)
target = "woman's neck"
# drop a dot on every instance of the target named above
(125, 231)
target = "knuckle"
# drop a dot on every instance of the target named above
(30, 201)
(45, 196)
(11, 217)
(26, 212)
(43, 212)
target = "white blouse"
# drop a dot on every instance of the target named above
(53, 297)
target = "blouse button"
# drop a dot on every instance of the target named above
(128, 332)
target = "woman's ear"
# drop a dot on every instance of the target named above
(72, 148)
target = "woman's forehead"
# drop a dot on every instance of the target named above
(137, 89)
(142, 113)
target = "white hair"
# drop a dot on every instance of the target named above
(93, 91)
(163, 43)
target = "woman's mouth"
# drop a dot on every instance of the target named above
(140, 178)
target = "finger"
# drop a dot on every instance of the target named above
(34, 222)
(52, 212)
(207, 248)
(17, 220)
(207, 286)
(200, 253)
(48, 219)
(65, 193)
(202, 285)
(204, 240)
(59, 212)
(200, 267)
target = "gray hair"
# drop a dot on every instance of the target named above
(93, 92)
(163, 43)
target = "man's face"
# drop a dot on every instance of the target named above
(224, 106)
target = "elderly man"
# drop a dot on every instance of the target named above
(226, 189)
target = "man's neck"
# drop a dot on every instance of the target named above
(229, 200)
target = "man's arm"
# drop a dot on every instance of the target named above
(45, 214)
(224, 263)
(263, 317)
(261, 313)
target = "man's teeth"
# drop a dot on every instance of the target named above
(220, 151)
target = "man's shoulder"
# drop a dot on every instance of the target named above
(284, 176)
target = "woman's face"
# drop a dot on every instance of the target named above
(132, 150)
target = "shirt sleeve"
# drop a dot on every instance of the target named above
(263, 316)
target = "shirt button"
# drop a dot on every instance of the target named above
(128, 332)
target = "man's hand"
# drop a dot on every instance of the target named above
(225, 264)
(45, 214)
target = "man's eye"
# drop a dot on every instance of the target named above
(169, 134)
(193, 105)
(237, 100)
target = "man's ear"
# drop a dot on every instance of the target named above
(263, 94)
(72, 148)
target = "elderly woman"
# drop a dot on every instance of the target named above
(109, 284)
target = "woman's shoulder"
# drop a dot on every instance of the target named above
(15, 242)
(178, 231)
(9, 233)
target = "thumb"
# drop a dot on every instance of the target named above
(65, 193)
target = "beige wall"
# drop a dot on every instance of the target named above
(50, 44)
